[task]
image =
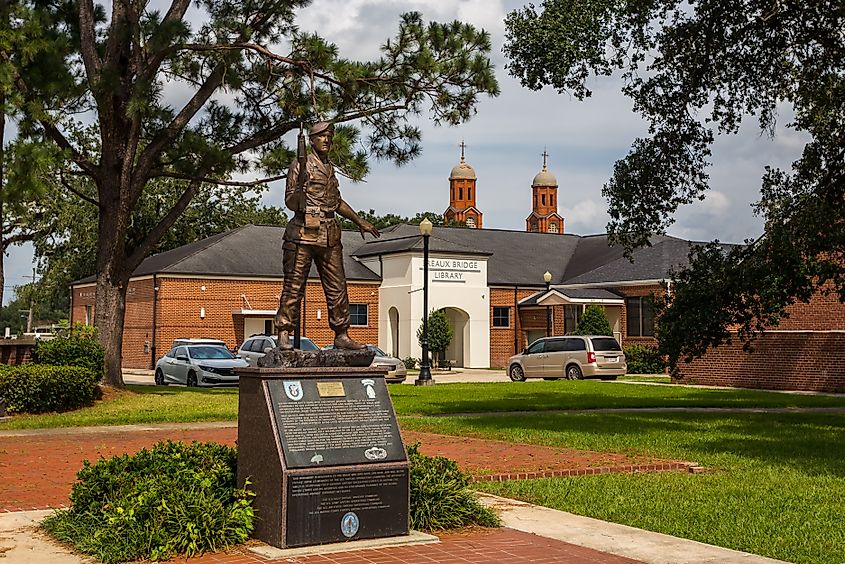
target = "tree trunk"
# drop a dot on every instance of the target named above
(112, 280)
(109, 314)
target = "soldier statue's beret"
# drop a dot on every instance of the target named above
(322, 126)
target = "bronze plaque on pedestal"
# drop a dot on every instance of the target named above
(322, 451)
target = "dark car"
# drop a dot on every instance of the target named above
(257, 346)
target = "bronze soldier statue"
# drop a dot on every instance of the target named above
(314, 235)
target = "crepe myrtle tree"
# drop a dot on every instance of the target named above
(204, 98)
(695, 69)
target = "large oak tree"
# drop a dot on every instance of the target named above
(695, 69)
(246, 77)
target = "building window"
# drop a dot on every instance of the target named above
(553, 227)
(543, 199)
(534, 226)
(552, 199)
(358, 314)
(571, 317)
(640, 315)
(470, 222)
(501, 317)
(469, 193)
(460, 193)
(89, 315)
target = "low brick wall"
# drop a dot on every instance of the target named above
(788, 360)
(16, 351)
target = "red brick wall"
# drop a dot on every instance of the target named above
(502, 338)
(16, 351)
(805, 352)
(178, 312)
(799, 360)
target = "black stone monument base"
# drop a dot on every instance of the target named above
(334, 358)
(321, 449)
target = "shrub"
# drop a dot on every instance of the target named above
(34, 388)
(440, 498)
(643, 359)
(172, 499)
(593, 322)
(410, 362)
(439, 332)
(79, 347)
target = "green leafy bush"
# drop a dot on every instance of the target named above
(172, 499)
(35, 388)
(79, 347)
(643, 359)
(439, 332)
(593, 322)
(410, 362)
(440, 498)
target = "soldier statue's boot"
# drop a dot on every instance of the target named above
(284, 341)
(342, 340)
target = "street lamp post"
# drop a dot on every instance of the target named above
(547, 277)
(425, 370)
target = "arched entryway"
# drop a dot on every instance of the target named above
(458, 350)
(393, 319)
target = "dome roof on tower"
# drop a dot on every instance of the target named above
(462, 170)
(544, 178)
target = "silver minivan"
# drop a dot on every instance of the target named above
(571, 357)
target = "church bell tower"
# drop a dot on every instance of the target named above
(544, 217)
(462, 195)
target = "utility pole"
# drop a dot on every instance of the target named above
(31, 300)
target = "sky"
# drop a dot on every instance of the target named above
(507, 136)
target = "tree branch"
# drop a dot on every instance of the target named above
(169, 133)
(157, 232)
(88, 42)
(77, 192)
(206, 180)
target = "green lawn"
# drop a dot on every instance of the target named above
(779, 478)
(777, 489)
(180, 405)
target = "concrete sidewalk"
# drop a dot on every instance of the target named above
(550, 536)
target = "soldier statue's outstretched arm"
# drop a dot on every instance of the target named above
(364, 225)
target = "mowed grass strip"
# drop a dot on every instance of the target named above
(776, 490)
(177, 404)
(141, 405)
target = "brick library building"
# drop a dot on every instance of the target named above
(491, 283)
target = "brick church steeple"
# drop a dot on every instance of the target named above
(544, 217)
(462, 195)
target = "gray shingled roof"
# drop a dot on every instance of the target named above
(515, 258)
(248, 251)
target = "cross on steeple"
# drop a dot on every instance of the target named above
(545, 156)
(462, 146)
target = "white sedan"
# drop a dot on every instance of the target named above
(198, 365)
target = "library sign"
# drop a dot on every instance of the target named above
(453, 270)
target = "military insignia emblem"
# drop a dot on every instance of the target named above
(349, 525)
(375, 453)
(293, 389)
(371, 392)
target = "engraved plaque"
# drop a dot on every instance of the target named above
(335, 422)
(342, 505)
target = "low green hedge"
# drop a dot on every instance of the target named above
(440, 497)
(643, 359)
(172, 499)
(35, 388)
(79, 347)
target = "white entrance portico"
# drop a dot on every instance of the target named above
(457, 283)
